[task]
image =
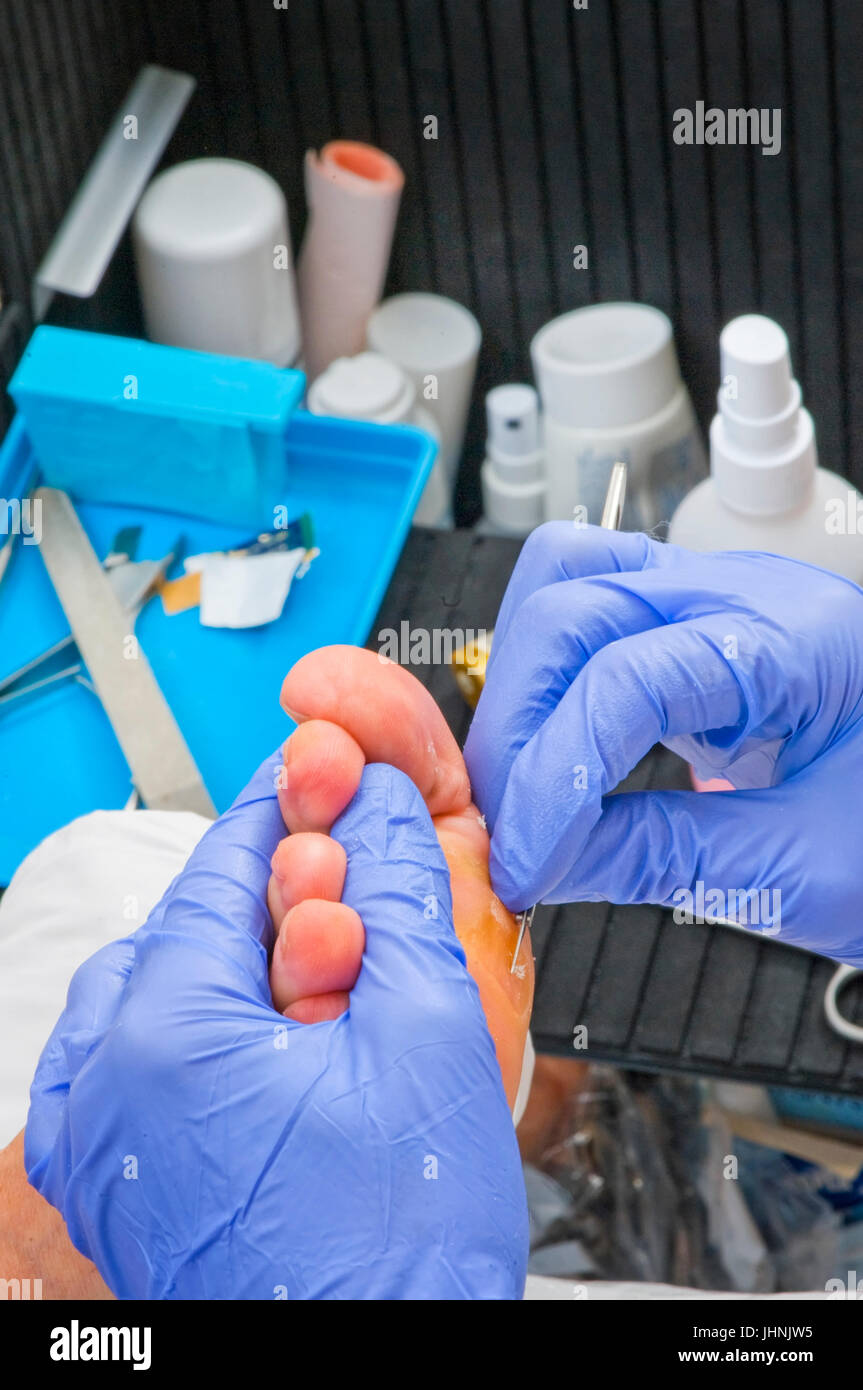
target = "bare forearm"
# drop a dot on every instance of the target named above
(34, 1243)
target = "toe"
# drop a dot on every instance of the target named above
(387, 712)
(318, 951)
(322, 770)
(305, 865)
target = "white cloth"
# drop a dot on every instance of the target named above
(91, 882)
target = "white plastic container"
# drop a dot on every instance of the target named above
(437, 342)
(513, 475)
(611, 389)
(766, 490)
(370, 387)
(365, 387)
(213, 255)
(353, 192)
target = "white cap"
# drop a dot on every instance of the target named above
(366, 387)
(762, 442)
(606, 365)
(214, 261)
(514, 446)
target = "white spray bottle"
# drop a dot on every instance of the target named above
(765, 490)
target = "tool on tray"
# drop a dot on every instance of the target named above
(101, 605)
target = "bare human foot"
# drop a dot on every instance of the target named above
(550, 1117)
(352, 708)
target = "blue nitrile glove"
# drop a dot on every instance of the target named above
(199, 1145)
(748, 665)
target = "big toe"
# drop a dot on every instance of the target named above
(388, 714)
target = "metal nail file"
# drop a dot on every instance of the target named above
(163, 770)
(612, 515)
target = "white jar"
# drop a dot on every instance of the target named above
(611, 389)
(436, 342)
(213, 256)
(371, 387)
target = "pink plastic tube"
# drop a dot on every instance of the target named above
(353, 193)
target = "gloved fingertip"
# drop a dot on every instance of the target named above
(516, 892)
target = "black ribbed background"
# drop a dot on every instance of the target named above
(555, 129)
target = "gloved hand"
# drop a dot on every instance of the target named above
(199, 1145)
(748, 665)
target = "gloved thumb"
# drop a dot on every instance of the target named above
(413, 982)
(220, 897)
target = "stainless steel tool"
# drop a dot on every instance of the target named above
(132, 582)
(612, 514)
(525, 922)
(162, 768)
(612, 509)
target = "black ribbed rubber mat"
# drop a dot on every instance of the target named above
(652, 994)
(555, 130)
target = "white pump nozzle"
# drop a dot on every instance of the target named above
(513, 421)
(762, 441)
(756, 367)
(513, 482)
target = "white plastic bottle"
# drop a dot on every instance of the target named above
(766, 490)
(213, 257)
(513, 475)
(611, 389)
(371, 387)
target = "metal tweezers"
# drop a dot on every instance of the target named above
(612, 513)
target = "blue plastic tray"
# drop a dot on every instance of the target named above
(58, 754)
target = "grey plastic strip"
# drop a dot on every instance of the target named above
(89, 234)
